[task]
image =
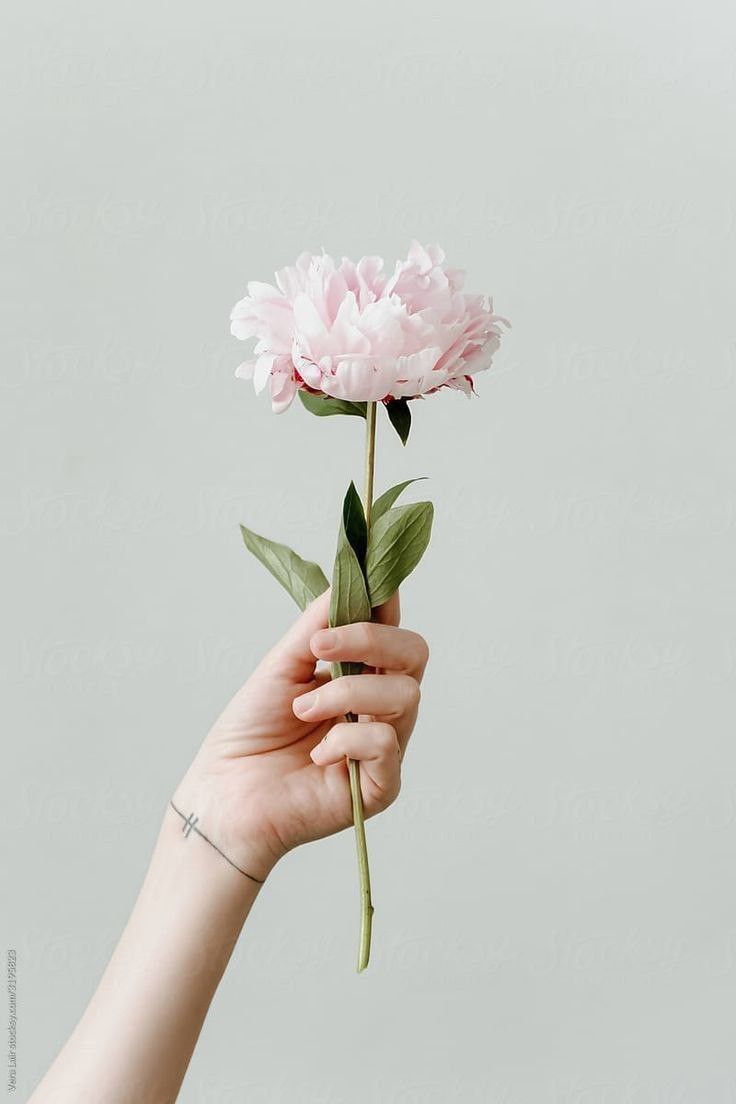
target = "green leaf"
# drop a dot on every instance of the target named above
(324, 406)
(353, 519)
(387, 499)
(349, 599)
(303, 580)
(396, 544)
(399, 415)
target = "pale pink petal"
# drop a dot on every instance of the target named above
(307, 318)
(360, 379)
(335, 291)
(462, 384)
(305, 364)
(262, 373)
(415, 374)
(283, 390)
(265, 293)
(345, 336)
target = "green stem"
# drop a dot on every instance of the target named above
(370, 461)
(366, 905)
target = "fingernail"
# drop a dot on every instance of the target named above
(316, 752)
(326, 639)
(305, 704)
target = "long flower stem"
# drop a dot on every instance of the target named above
(366, 905)
(370, 461)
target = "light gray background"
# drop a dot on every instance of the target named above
(555, 890)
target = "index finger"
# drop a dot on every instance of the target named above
(381, 646)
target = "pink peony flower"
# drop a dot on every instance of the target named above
(352, 332)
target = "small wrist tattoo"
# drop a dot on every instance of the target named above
(190, 825)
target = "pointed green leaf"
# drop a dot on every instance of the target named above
(396, 544)
(324, 407)
(399, 415)
(303, 579)
(353, 519)
(387, 499)
(349, 599)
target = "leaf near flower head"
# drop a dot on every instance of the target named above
(303, 579)
(399, 415)
(396, 544)
(324, 406)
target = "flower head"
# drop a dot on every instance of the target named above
(353, 332)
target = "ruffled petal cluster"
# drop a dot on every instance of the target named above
(351, 331)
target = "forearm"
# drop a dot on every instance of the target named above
(135, 1040)
(270, 776)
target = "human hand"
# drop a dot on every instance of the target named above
(272, 773)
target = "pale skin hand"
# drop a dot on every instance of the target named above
(271, 775)
(272, 772)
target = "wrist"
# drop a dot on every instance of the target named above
(211, 806)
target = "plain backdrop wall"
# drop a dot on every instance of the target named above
(555, 889)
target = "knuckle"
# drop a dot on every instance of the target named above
(346, 686)
(385, 737)
(412, 693)
(365, 634)
(422, 650)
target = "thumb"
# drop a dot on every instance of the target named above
(293, 652)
